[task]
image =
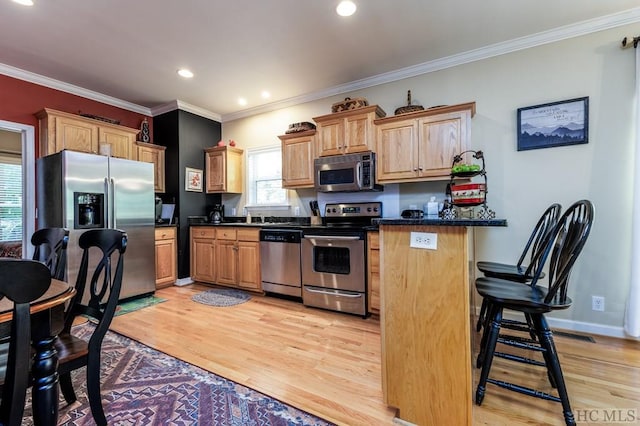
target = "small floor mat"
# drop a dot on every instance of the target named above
(221, 297)
(136, 304)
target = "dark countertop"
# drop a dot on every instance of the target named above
(441, 222)
(166, 225)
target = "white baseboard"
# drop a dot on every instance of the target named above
(183, 281)
(579, 326)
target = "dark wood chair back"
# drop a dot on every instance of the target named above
(21, 281)
(536, 243)
(51, 249)
(102, 288)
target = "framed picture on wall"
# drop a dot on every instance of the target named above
(193, 180)
(553, 124)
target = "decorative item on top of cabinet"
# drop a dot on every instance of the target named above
(144, 131)
(224, 169)
(150, 153)
(419, 146)
(61, 130)
(408, 107)
(373, 270)
(298, 153)
(166, 256)
(347, 131)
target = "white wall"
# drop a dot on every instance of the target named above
(523, 184)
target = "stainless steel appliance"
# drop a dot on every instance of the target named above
(79, 191)
(280, 260)
(334, 258)
(345, 173)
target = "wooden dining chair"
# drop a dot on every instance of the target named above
(51, 249)
(22, 281)
(101, 287)
(564, 245)
(518, 272)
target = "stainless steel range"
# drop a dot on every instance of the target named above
(334, 258)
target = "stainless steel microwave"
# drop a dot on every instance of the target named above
(346, 173)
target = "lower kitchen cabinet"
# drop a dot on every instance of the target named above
(373, 271)
(166, 256)
(203, 253)
(249, 259)
(227, 256)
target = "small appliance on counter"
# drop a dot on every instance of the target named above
(216, 215)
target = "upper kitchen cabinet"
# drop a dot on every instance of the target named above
(298, 153)
(150, 153)
(60, 130)
(224, 169)
(420, 146)
(347, 131)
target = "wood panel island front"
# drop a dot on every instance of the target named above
(425, 318)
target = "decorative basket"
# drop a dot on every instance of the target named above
(408, 107)
(349, 104)
(303, 126)
(468, 194)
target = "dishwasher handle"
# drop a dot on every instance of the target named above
(335, 237)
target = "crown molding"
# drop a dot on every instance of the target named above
(562, 33)
(70, 88)
(551, 36)
(178, 104)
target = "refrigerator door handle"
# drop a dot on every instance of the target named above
(113, 203)
(107, 216)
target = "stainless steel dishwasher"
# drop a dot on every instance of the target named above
(280, 261)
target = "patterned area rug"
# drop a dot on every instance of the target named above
(142, 386)
(136, 304)
(221, 297)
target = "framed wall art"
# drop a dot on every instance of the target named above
(553, 124)
(193, 180)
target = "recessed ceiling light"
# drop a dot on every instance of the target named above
(265, 94)
(242, 101)
(183, 72)
(346, 8)
(24, 2)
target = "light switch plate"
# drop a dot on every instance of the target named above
(424, 240)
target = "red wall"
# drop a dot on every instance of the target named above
(20, 100)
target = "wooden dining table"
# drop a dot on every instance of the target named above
(47, 320)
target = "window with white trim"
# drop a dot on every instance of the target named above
(264, 178)
(10, 197)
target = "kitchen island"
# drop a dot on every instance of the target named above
(425, 318)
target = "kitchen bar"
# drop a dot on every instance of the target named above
(425, 318)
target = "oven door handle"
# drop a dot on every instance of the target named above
(325, 237)
(334, 293)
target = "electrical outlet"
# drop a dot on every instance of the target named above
(424, 240)
(597, 303)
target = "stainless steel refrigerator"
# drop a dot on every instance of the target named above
(80, 191)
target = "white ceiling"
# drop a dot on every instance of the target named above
(296, 49)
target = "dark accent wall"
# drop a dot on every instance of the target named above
(185, 135)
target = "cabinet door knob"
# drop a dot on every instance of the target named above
(415, 170)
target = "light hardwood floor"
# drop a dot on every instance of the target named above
(328, 363)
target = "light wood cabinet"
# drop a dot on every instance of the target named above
(227, 256)
(347, 131)
(421, 145)
(203, 253)
(150, 153)
(60, 130)
(166, 256)
(373, 271)
(298, 153)
(249, 276)
(224, 169)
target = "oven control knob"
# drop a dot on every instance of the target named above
(375, 209)
(369, 209)
(333, 210)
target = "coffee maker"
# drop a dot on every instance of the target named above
(216, 215)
